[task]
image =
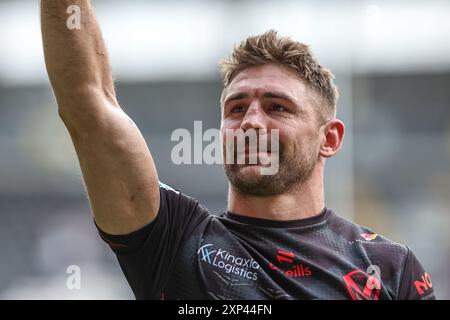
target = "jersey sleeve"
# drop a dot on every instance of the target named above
(147, 256)
(416, 282)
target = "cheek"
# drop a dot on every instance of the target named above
(294, 141)
(287, 142)
(225, 126)
(229, 123)
(311, 143)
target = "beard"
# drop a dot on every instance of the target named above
(294, 169)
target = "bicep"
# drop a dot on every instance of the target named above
(118, 169)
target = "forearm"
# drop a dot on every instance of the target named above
(77, 59)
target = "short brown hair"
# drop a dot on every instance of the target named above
(296, 56)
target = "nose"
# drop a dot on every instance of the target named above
(254, 118)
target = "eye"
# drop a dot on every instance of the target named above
(278, 108)
(238, 108)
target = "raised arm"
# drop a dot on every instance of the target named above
(118, 170)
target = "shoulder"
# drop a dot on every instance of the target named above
(176, 199)
(355, 232)
(378, 246)
(393, 262)
(181, 210)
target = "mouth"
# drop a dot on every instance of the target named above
(250, 158)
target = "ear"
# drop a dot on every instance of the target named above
(333, 136)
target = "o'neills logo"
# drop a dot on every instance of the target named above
(231, 264)
(286, 259)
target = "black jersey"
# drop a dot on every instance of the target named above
(188, 253)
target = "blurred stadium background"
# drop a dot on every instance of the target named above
(392, 64)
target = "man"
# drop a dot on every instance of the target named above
(277, 239)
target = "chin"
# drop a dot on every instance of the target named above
(250, 174)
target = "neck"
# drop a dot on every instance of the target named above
(304, 201)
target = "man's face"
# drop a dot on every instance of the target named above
(264, 98)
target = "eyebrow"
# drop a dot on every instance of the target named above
(266, 95)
